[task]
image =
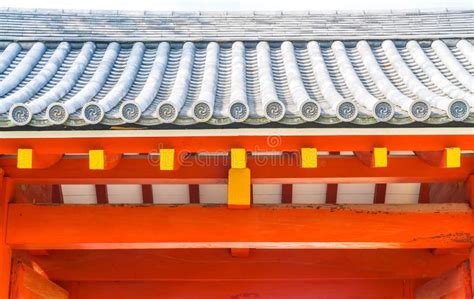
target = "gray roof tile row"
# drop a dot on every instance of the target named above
(43, 84)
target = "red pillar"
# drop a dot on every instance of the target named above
(5, 250)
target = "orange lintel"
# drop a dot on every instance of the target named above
(207, 264)
(238, 289)
(381, 226)
(273, 170)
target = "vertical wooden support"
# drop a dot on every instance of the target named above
(424, 195)
(5, 251)
(287, 193)
(331, 194)
(57, 194)
(147, 194)
(331, 189)
(101, 194)
(239, 190)
(379, 195)
(471, 268)
(470, 190)
(194, 193)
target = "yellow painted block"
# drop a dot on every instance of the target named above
(96, 159)
(380, 157)
(238, 158)
(238, 192)
(309, 158)
(453, 157)
(166, 159)
(24, 158)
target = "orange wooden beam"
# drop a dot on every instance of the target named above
(343, 169)
(261, 264)
(226, 143)
(347, 289)
(191, 226)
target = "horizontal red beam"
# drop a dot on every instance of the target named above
(332, 169)
(251, 143)
(240, 289)
(261, 264)
(190, 226)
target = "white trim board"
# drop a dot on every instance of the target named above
(238, 132)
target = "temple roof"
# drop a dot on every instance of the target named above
(78, 68)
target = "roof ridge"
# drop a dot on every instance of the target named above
(178, 13)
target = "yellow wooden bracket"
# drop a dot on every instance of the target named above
(452, 157)
(448, 158)
(96, 160)
(29, 159)
(380, 157)
(100, 160)
(238, 158)
(239, 188)
(309, 158)
(167, 159)
(25, 158)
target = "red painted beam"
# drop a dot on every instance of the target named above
(381, 226)
(250, 143)
(239, 289)
(206, 264)
(342, 169)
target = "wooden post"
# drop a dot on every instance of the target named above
(5, 250)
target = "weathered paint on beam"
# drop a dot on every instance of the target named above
(192, 226)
